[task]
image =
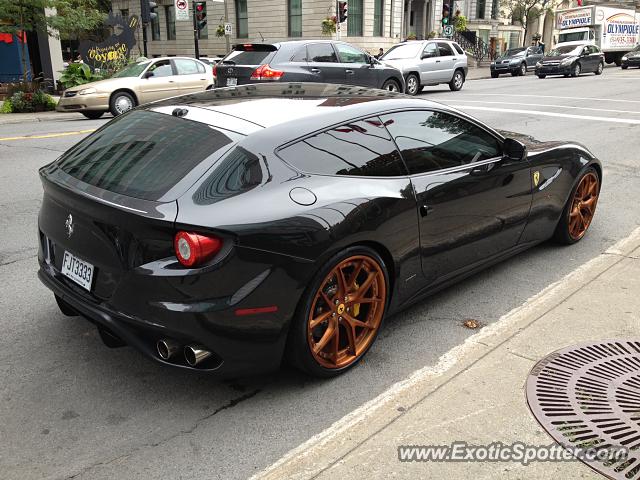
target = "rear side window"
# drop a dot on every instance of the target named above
(444, 49)
(321, 52)
(249, 54)
(362, 148)
(186, 67)
(143, 154)
(458, 48)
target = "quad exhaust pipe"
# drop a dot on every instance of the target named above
(195, 354)
(167, 348)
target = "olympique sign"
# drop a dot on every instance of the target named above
(575, 18)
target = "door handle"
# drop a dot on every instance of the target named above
(350, 72)
(454, 59)
(425, 209)
(315, 70)
(437, 61)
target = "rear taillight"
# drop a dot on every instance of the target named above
(265, 72)
(193, 249)
(215, 70)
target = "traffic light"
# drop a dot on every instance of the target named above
(148, 10)
(342, 12)
(201, 15)
(445, 15)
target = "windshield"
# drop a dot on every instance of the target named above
(513, 52)
(408, 50)
(565, 50)
(133, 70)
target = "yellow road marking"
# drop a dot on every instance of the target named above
(48, 135)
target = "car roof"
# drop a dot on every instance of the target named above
(154, 59)
(284, 111)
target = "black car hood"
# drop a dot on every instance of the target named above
(633, 54)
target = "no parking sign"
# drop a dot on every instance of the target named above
(182, 10)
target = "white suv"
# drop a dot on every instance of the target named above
(428, 62)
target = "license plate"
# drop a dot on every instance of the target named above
(232, 81)
(77, 270)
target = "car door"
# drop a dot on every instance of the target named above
(534, 55)
(357, 66)
(158, 81)
(322, 63)
(192, 76)
(472, 202)
(430, 65)
(447, 61)
(594, 57)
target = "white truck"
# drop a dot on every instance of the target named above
(615, 30)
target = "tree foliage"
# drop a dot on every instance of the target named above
(524, 12)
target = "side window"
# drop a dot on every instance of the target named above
(431, 50)
(161, 69)
(444, 49)
(321, 52)
(362, 148)
(201, 68)
(186, 67)
(458, 48)
(300, 55)
(432, 141)
(349, 54)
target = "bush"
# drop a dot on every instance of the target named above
(22, 102)
(78, 74)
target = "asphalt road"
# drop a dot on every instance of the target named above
(72, 408)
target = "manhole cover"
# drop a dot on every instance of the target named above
(588, 396)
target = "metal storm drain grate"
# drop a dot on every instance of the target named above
(588, 397)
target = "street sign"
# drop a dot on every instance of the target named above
(448, 31)
(228, 29)
(182, 10)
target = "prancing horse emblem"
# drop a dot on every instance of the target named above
(69, 226)
(536, 178)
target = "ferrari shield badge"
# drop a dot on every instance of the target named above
(536, 178)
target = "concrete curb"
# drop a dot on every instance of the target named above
(13, 118)
(338, 441)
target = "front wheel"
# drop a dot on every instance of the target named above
(624, 67)
(391, 86)
(495, 74)
(576, 69)
(580, 208)
(121, 102)
(599, 69)
(413, 84)
(541, 76)
(523, 70)
(340, 313)
(92, 114)
(457, 81)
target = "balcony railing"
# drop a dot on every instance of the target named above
(470, 42)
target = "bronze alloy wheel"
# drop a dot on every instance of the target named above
(583, 205)
(346, 312)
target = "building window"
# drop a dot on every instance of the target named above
(354, 20)
(242, 19)
(378, 13)
(155, 28)
(295, 18)
(170, 15)
(495, 9)
(125, 13)
(481, 6)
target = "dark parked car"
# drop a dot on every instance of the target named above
(631, 59)
(323, 61)
(220, 231)
(572, 59)
(516, 61)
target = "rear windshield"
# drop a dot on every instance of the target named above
(143, 154)
(249, 54)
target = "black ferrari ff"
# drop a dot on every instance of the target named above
(227, 230)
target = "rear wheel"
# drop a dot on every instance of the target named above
(339, 317)
(523, 70)
(457, 81)
(624, 67)
(618, 61)
(92, 115)
(576, 69)
(541, 76)
(580, 208)
(391, 85)
(599, 69)
(121, 102)
(495, 74)
(413, 84)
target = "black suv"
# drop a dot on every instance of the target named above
(322, 61)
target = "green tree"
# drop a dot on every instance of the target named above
(67, 18)
(525, 12)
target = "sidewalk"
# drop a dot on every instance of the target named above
(478, 73)
(476, 392)
(11, 118)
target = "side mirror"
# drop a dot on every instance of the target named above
(372, 61)
(514, 150)
(147, 74)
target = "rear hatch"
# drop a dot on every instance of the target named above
(109, 203)
(236, 68)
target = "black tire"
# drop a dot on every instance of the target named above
(600, 69)
(92, 114)
(541, 76)
(119, 101)
(618, 61)
(495, 74)
(522, 71)
(391, 85)
(298, 351)
(561, 234)
(65, 308)
(457, 81)
(576, 69)
(413, 84)
(624, 67)
(515, 73)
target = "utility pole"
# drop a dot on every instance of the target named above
(144, 38)
(226, 20)
(196, 33)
